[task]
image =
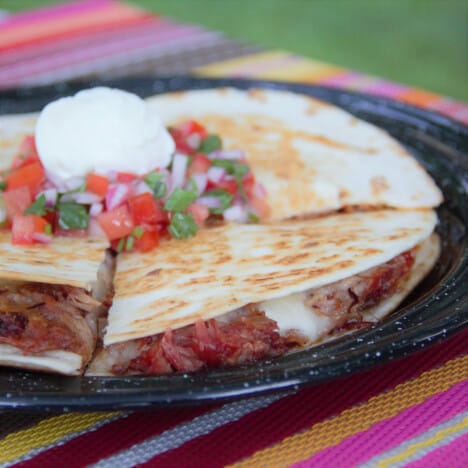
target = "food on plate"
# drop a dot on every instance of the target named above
(311, 157)
(299, 223)
(50, 302)
(238, 293)
(101, 163)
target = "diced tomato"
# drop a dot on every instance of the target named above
(180, 141)
(116, 223)
(199, 165)
(97, 184)
(146, 210)
(260, 206)
(27, 153)
(249, 183)
(191, 127)
(125, 177)
(230, 185)
(24, 227)
(148, 241)
(31, 176)
(200, 212)
(16, 201)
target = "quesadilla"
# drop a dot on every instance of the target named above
(311, 157)
(239, 293)
(228, 293)
(51, 298)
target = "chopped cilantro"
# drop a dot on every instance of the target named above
(121, 245)
(179, 200)
(210, 143)
(182, 226)
(253, 218)
(37, 207)
(130, 243)
(154, 180)
(225, 200)
(3, 185)
(138, 232)
(72, 216)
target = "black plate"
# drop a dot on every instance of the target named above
(436, 310)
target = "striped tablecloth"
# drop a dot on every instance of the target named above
(408, 413)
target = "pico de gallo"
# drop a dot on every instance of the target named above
(203, 181)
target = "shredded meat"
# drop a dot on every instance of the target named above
(39, 317)
(344, 300)
(248, 335)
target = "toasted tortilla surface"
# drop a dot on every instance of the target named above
(229, 266)
(310, 156)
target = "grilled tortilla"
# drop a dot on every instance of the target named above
(261, 280)
(311, 157)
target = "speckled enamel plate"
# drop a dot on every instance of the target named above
(437, 309)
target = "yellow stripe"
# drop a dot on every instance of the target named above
(273, 65)
(360, 418)
(47, 432)
(412, 449)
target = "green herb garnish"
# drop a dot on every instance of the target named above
(3, 185)
(253, 218)
(210, 143)
(38, 207)
(120, 245)
(225, 200)
(179, 200)
(138, 232)
(130, 243)
(72, 216)
(182, 226)
(154, 180)
(48, 229)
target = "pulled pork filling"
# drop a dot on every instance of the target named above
(38, 317)
(248, 335)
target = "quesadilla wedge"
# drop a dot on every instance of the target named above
(311, 157)
(239, 293)
(51, 298)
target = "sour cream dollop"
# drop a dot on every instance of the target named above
(101, 130)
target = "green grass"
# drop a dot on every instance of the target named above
(422, 43)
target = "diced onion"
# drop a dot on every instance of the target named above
(201, 180)
(210, 202)
(142, 187)
(259, 190)
(112, 176)
(94, 228)
(96, 209)
(216, 174)
(116, 195)
(194, 140)
(42, 238)
(50, 196)
(179, 168)
(227, 154)
(73, 183)
(235, 213)
(83, 198)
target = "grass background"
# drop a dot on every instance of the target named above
(422, 43)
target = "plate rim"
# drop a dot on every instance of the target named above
(295, 378)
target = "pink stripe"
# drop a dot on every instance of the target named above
(392, 432)
(33, 51)
(452, 454)
(159, 37)
(53, 12)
